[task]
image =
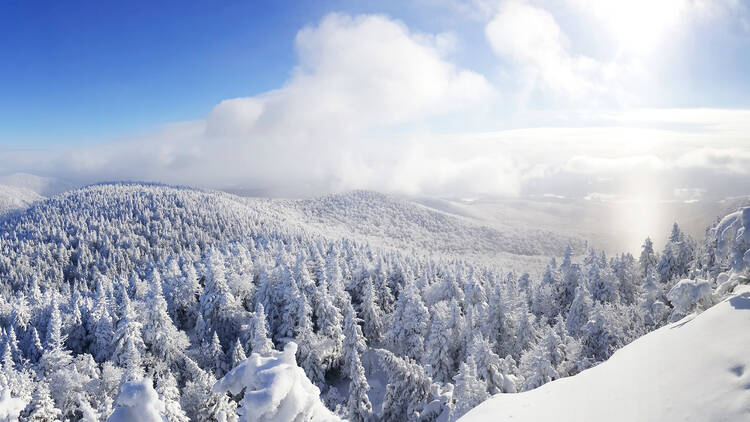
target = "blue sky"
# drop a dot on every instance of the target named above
(90, 70)
(580, 98)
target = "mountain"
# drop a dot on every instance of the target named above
(610, 224)
(399, 311)
(408, 226)
(696, 369)
(13, 199)
(43, 186)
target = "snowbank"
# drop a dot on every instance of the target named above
(276, 390)
(697, 369)
(10, 407)
(138, 402)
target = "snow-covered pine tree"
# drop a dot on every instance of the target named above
(358, 404)
(410, 322)
(169, 393)
(258, 341)
(470, 390)
(648, 259)
(41, 408)
(237, 354)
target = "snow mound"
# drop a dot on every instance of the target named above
(10, 407)
(138, 402)
(276, 390)
(697, 369)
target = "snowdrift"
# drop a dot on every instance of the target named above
(696, 369)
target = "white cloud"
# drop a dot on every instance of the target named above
(358, 80)
(530, 37)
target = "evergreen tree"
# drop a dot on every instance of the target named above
(408, 389)
(647, 259)
(372, 315)
(237, 354)
(259, 342)
(358, 404)
(42, 407)
(470, 391)
(579, 312)
(163, 339)
(409, 324)
(169, 393)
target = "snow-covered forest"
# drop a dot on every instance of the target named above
(142, 302)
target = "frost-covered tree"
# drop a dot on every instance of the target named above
(441, 353)
(259, 341)
(169, 393)
(408, 390)
(41, 408)
(371, 314)
(275, 389)
(237, 354)
(128, 348)
(648, 259)
(359, 408)
(578, 315)
(470, 390)
(409, 325)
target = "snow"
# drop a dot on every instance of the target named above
(138, 402)
(14, 198)
(10, 407)
(276, 389)
(692, 370)
(687, 295)
(44, 186)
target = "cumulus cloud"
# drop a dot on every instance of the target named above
(337, 123)
(359, 108)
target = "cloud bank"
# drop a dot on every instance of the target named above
(360, 108)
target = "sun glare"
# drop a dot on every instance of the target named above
(638, 26)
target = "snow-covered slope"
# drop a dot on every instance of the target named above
(407, 226)
(13, 198)
(44, 186)
(697, 369)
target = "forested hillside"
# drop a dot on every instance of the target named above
(110, 285)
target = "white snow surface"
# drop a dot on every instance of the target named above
(276, 390)
(10, 407)
(138, 402)
(697, 369)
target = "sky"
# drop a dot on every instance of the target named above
(591, 99)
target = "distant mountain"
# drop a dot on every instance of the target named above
(13, 199)
(43, 186)
(396, 223)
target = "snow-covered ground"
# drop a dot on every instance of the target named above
(697, 369)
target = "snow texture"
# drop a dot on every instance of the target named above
(10, 407)
(138, 402)
(276, 390)
(692, 370)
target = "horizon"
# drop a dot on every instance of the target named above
(630, 104)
